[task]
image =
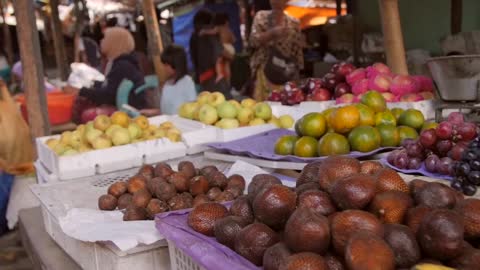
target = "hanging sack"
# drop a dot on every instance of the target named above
(16, 146)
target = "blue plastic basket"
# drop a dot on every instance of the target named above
(6, 182)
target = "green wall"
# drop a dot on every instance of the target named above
(424, 22)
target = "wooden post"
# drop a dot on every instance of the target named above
(357, 33)
(456, 16)
(7, 36)
(58, 42)
(393, 37)
(32, 65)
(154, 38)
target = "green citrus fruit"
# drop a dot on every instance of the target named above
(375, 101)
(385, 118)
(333, 144)
(285, 145)
(367, 115)
(306, 147)
(364, 139)
(412, 118)
(397, 112)
(313, 125)
(429, 125)
(389, 135)
(406, 133)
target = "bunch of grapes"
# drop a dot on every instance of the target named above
(437, 148)
(467, 170)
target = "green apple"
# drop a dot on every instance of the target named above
(248, 103)
(51, 143)
(236, 104)
(102, 122)
(203, 97)
(93, 134)
(263, 111)
(274, 121)
(245, 115)
(60, 148)
(188, 109)
(84, 148)
(286, 121)
(66, 137)
(208, 114)
(89, 126)
(76, 140)
(101, 142)
(257, 122)
(216, 98)
(228, 123)
(135, 131)
(111, 129)
(227, 110)
(121, 136)
(174, 136)
(159, 133)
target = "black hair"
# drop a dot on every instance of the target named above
(221, 18)
(204, 17)
(112, 22)
(176, 57)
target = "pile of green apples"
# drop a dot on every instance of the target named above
(211, 108)
(105, 132)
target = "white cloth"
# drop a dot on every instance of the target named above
(21, 197)
(83, 75)
(175, 94)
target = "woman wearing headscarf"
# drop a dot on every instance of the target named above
(118, 48)
(274, 32)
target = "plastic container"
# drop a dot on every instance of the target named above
(59, 107)
(181, 261)
(457, 77)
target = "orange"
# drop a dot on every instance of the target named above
(412, 118)
(306, 147)
(285, 145)
(313, 125)
(333, 144)
(397, 112)
(406, 133)
(385, 118)
(344, 119)
(389, 135)
(364, 139)
(367, 115)
(375, 101)
(429, 125)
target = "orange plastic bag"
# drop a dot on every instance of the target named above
(16, 146)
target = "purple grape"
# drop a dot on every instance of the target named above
(474, 177)
(415, 163)
(469, 189)
(391, 157)
(401, 161)
(457, 185)
(445, 166)
(428, 138)
(431, 163)
(415, 150)
(443, 147)
(463, 169)
(407, 142)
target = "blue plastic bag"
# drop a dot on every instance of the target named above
(6, 182)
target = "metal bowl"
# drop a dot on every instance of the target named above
(457, 77)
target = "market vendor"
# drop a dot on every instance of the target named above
(118, 47)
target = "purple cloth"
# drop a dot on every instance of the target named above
(422, 171)
(262, 146)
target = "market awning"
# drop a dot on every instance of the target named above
(312, 13)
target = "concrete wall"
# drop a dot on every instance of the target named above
(424, 22)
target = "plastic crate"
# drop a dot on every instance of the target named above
(59, 197)
(181, 261)
(194, 135)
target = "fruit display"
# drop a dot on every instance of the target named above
(363, 127)
(346, 84)
(346, 214)
(105, 132)
(213, 109)
(467, 169)
(157, 189)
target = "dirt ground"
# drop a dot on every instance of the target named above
(12, 254)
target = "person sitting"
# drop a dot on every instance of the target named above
(227, 38)
(118, 47)
(179, 87)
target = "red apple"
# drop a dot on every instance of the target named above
(289, 86)
(320, 94)
(330, 80)
(341, 89)
(275, 96)
(344, 69)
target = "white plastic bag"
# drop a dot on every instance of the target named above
(83, 75)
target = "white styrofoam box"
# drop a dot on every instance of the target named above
(57, 198)
(264, 163)
(43, 175)
(316, 106)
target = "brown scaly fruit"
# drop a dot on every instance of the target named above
(307, 187)
(198, 185)
(345, 224)
(107, 202)
(274, 205)
(391, 206)
(135, 213)
(155, 206)
(252, 241)
(213, 193)
(260, 181)
(118, 189)
(235, 190)
(241, 207)
(217, 179)
(275, 256)
(205, 171)
(136, 183)
(179, 202)
(200, 199)
(187, 168)
(225, 196)
(163, 170)
(353, 192)
(124, 201)
(236, 181)
(333, 262)
(202, 218)
(367, 251)
(316, 200)
(141, 198)
(227, 228)
(469, 260)
(165, 191)
(180, 181)
(309, 173)
(370, 167)
(415, 216)
(469, 210)
(305, 261)
(388, 179)
(403, 243)
(334, 168)
(435, 195)
(441, 234)
(307, 231)
(154, 183)
(415, 185)
(147, 171)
